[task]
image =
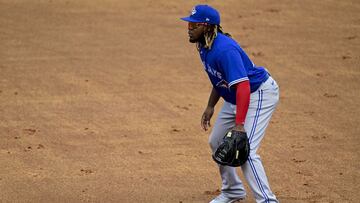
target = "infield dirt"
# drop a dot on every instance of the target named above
(100, 101)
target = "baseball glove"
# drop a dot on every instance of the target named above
(234, 150)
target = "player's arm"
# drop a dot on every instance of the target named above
(209, 111)
(236, 75)
(242, 104)
(213, 98)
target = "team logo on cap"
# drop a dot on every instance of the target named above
(193, 11)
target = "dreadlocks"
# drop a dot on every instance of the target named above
(211, 34)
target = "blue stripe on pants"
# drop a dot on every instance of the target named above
(252, 132)
(258, 180)
(257, 114)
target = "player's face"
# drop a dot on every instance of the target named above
(195, 31)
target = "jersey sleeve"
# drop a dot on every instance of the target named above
(233, 67)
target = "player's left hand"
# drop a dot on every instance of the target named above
(239, 128)
(234, 150)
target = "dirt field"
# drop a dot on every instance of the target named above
(100, 101)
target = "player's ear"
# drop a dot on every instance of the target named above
(207, 28)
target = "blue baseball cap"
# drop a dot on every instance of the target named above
(203, 14)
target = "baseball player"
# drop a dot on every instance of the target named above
(250, 97)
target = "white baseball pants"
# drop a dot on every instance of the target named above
(262, 105)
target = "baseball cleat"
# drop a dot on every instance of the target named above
(223, 199)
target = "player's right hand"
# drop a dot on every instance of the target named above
(205, 119)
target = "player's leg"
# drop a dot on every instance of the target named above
(232, 186)
(262, 105)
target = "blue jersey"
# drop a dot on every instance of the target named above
(227, 64)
